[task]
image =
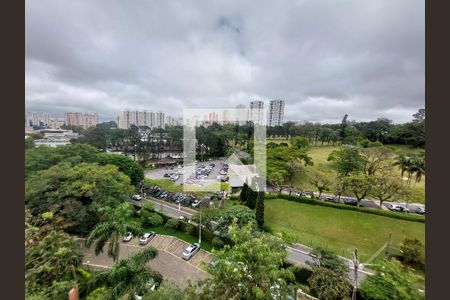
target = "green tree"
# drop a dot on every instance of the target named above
(376, 159)
(49, 261)
(386, 187)
(239, 213)
(347, 160)
(76, 193)
(299, 142)
(330, 275)
(128, 277)
(116, 224)
(251, 269)
(321, 182)
(259, 213)
(390, 281)
(360, 185)
(243, 195)
(413, 253)
(125, 164)
(166, 291)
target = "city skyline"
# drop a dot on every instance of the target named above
(216, 55)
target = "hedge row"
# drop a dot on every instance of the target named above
(385, 213)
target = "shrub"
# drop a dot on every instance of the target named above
(153, 219)
(217, 242)
(186, 227)
(172, 223)
(413, 253)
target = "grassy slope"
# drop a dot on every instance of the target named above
(320, 155)
(340, 230)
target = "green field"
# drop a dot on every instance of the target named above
(322, 165)
(340, 230)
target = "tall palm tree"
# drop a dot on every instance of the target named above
(129, 277)
(403, 162)
(116, 225)
(418, 167)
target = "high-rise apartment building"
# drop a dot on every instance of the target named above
(257, 112)
(276, 113)
(141, 118)
(81, 119)
(173, 121)
(46, 119)
(242, 114)
(35, 119)
(160, 120)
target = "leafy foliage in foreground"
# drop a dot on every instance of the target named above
(251, 269)
(129, 277)
(391, 281)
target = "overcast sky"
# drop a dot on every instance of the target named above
(324, 58)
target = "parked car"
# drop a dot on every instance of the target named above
(167, 175)
(128, 237)
(331, 199)
(136, 197)
(190, 251)
(143, 240)
(351, 202)
(396, 207)
(420, 210)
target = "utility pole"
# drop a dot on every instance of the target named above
(355, 268)
(200, 228)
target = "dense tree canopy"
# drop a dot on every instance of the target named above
(76, 193)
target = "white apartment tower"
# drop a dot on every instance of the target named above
(141, 118)
(242, 114)
(276, 113)
(257, 112)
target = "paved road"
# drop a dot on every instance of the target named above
(168, 262)
(296, 254)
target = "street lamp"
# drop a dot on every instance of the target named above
(134, 156)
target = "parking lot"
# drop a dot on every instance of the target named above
(168, 262)
(160, 172)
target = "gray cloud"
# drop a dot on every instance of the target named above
(325, 58)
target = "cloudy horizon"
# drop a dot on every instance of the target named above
(324, 58)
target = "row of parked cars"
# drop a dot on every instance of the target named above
(187, 254)
(179, 198)
(400, 208)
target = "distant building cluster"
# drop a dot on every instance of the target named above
(146, 118)
(84, 120)
(45, 120)
(256, 113)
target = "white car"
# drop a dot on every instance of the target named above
(143, 240)
(190, 251)
(136, 197)
(128, 237)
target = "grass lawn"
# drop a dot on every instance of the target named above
(340, 230)
(165, 184)
(181, 235)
